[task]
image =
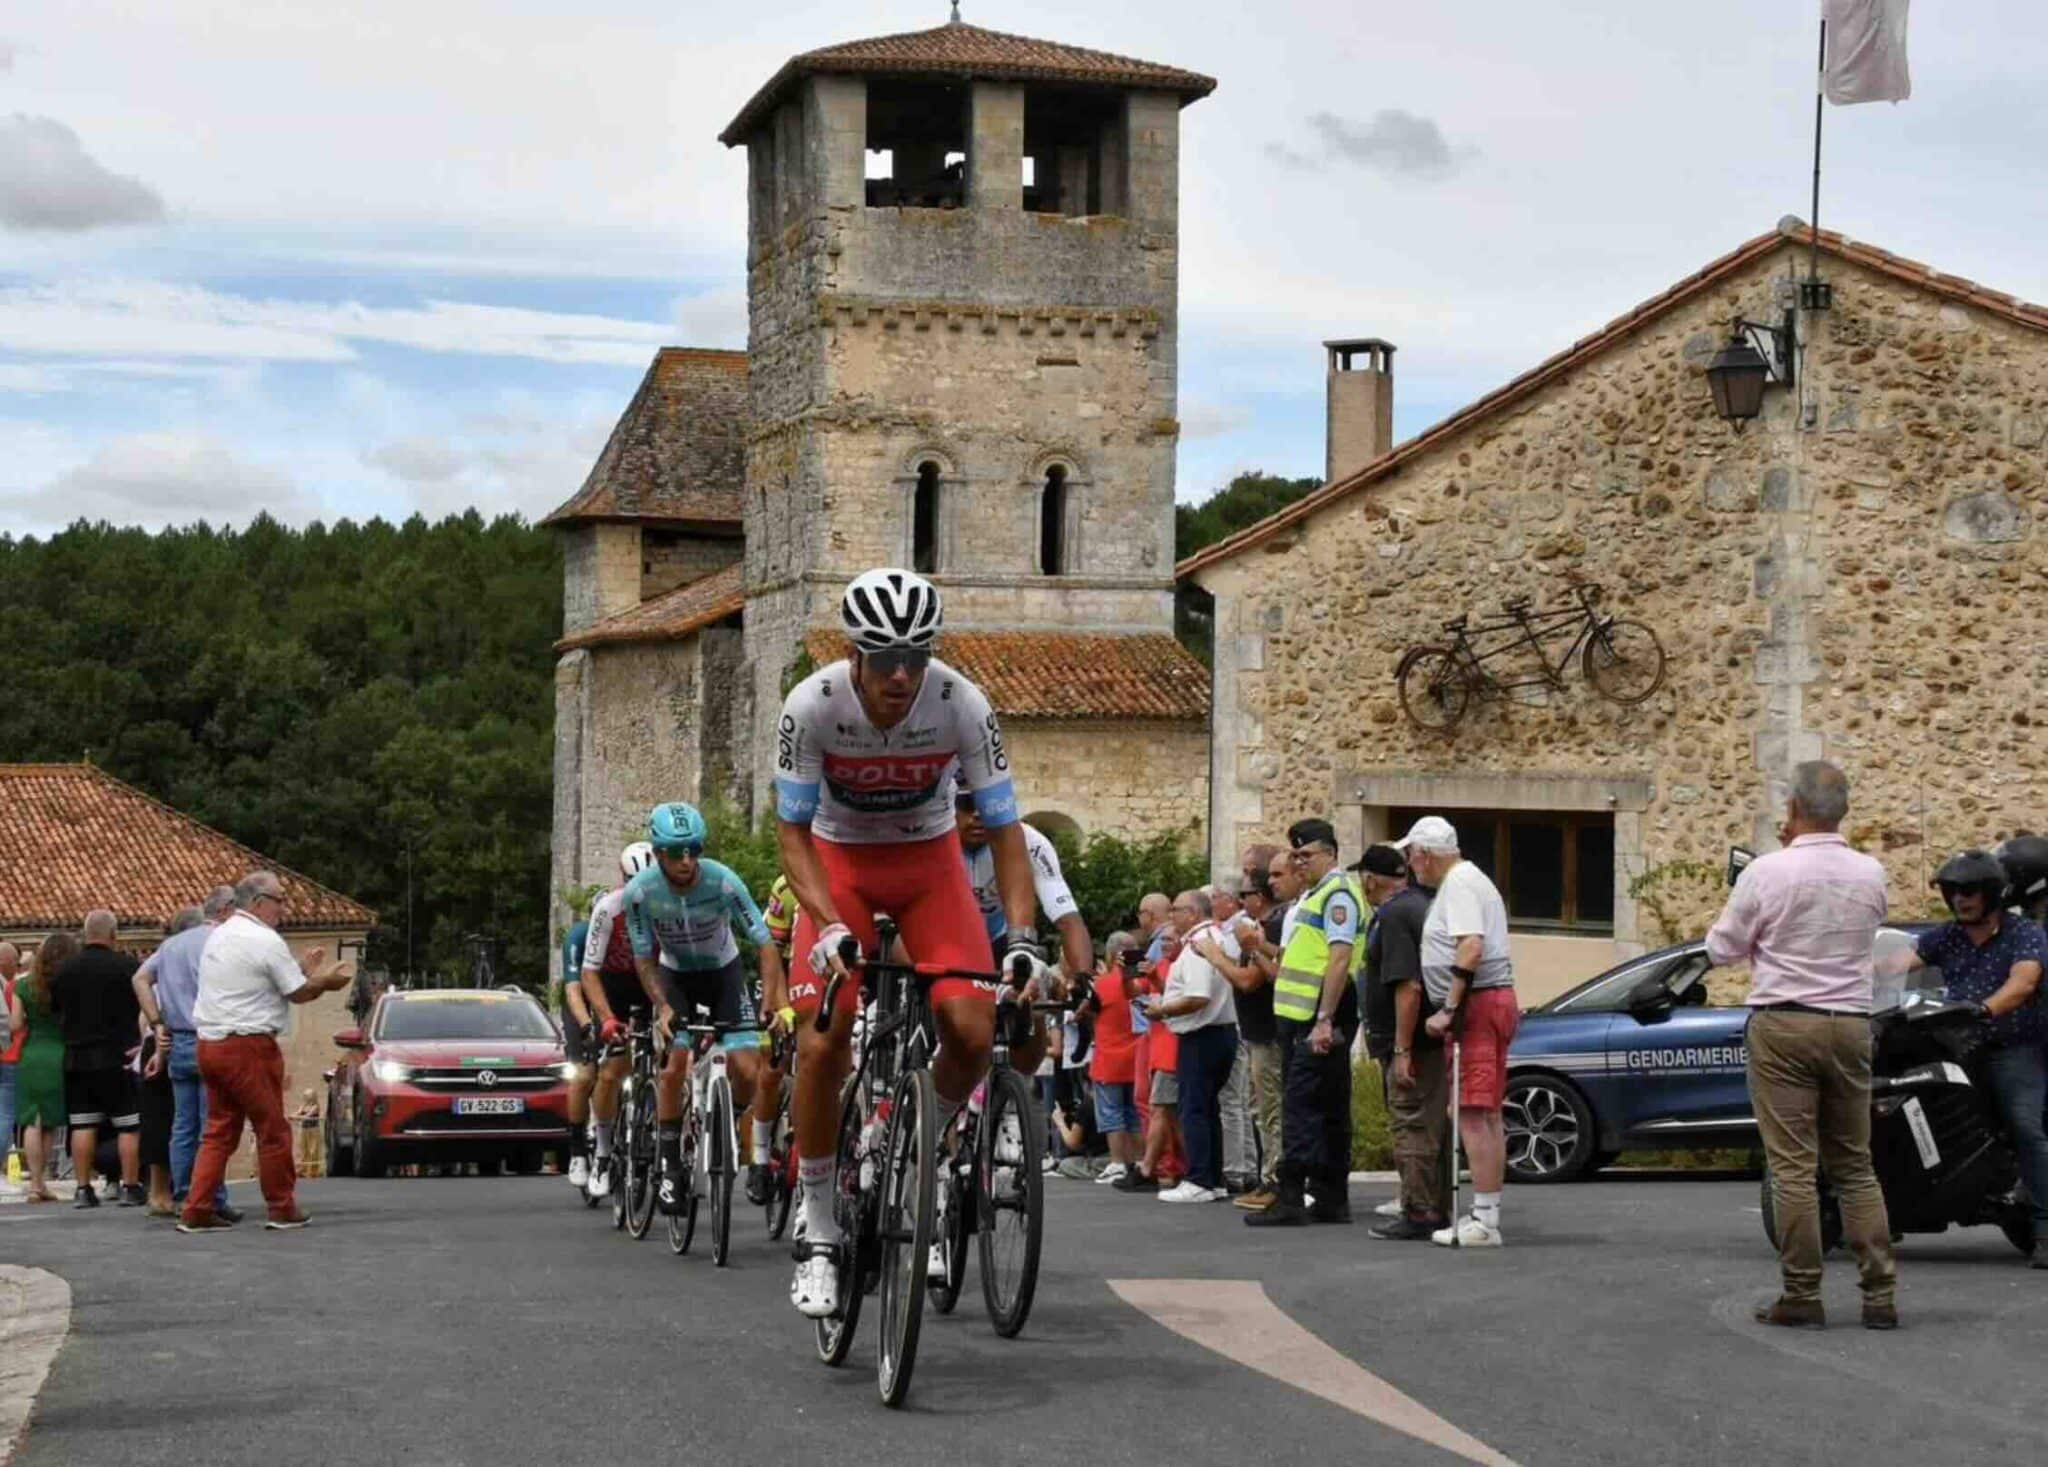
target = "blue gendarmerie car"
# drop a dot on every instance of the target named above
(1636, 1057)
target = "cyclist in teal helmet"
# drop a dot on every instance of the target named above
(680, 916)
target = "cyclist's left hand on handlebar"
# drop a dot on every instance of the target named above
(825, 951)
(665, 1022)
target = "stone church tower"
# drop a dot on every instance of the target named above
(962, 267)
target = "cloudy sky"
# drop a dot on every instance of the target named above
(405, 254)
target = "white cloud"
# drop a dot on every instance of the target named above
(49, 181)
(417, 460)
(1394, 141)
(523, 459)
(146, 319)
(164, 478)
(1212, 419)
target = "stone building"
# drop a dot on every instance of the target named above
(1855, 577)
(962, 274)
(73, 838)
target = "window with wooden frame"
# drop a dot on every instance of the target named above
(1555, 868)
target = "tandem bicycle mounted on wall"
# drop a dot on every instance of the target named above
(1622, 660)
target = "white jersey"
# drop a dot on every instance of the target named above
(1055, 898)
(855, 784)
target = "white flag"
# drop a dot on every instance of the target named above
(1866, 52)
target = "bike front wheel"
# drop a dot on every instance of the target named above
(641, 1144)
(1435, 688)
(719, 1169)
(1624, 661)
(906, 1229)
(1011, 1201)
(850, 1207)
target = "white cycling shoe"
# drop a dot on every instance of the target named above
(579, 1172)
(1010, 1140)
(815, 1289)
(935, 1266)
(600, 1182)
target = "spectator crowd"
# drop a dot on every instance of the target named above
(143, 1073)
(1214, 1056)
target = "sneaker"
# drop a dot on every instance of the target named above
(1134, 1181)
(1467, 1232)
(1341, 1213)
(1048, 1164)
(1009, 1140)
(600, 1183)
(1188, 1191)
(757, 1184)
(295, 1219)
(211, 1223)
(1392, 1207)
(1403, 1230)
(134, 1194)
(228, 1215)
(1282, 1214)
(815, 1289)
(579, 1171)
(1115, 1172)
(85, 1198)
(1257, 1200)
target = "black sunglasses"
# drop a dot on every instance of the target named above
(690, 848)
(907, 659)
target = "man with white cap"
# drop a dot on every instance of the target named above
(1470, 977)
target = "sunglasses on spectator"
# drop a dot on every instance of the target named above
(904, 659)
(690, 848)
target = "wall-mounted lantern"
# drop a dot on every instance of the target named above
(1756, 356)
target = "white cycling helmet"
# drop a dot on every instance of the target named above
(886, 609)
(635, 858)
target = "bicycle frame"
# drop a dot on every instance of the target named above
(1532, 630)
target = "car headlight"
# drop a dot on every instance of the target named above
(568, 1069)
(390, 1070)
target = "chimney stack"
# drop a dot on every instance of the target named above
(1360, 422)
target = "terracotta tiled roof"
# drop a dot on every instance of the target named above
(679, 450)
(962, 51)
(1075, 675)
(670, 615)
(73, 838)
(1949, 287)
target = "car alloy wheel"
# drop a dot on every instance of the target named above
(1550, 1132)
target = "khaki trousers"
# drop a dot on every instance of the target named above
(1420, 1117)
(1809, 1080)
(1265, 1083)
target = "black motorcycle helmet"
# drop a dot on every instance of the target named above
(1971, 870)
(2025, 859)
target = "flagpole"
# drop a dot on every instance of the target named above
(1819, 89)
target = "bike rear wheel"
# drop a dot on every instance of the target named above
(719, 1168)
(850, 1207)
(1624, 661)
(1011, 1201)
(641, 1149)
(682, 1224)
(1435, 688)
(906, 1230)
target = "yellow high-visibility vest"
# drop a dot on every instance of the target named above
(1298, 986)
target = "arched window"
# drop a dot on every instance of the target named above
(924, 520)
(1052, 523)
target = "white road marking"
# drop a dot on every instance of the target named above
(1235, 1319)
(35, 1316)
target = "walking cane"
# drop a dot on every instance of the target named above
(1455, 1138)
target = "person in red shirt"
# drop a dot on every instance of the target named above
(1158, 1082)
(1113, 1069)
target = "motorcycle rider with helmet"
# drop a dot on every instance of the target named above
(1993, 958)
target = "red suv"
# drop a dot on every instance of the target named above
(448, 1075)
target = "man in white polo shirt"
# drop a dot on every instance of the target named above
(247, 977)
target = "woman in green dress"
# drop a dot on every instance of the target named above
(39, 1075)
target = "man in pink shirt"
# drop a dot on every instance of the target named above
(1804, 918)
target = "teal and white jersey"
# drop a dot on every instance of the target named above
(691, 930)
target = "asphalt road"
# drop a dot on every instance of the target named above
(431, 1321)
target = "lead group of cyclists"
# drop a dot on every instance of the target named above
(893, 794)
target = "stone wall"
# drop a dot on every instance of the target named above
(1848, 578)
(1128, 779)
(601, 573)
(669, 559)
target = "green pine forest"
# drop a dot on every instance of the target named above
(371, 704)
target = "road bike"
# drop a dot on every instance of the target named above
(1621, 660)
(636, 1146)
(710, 1148)
(993, 1184)
(886, 1160)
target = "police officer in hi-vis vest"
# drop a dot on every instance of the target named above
(1315, 1004)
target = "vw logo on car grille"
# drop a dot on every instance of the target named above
(487, 1079)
